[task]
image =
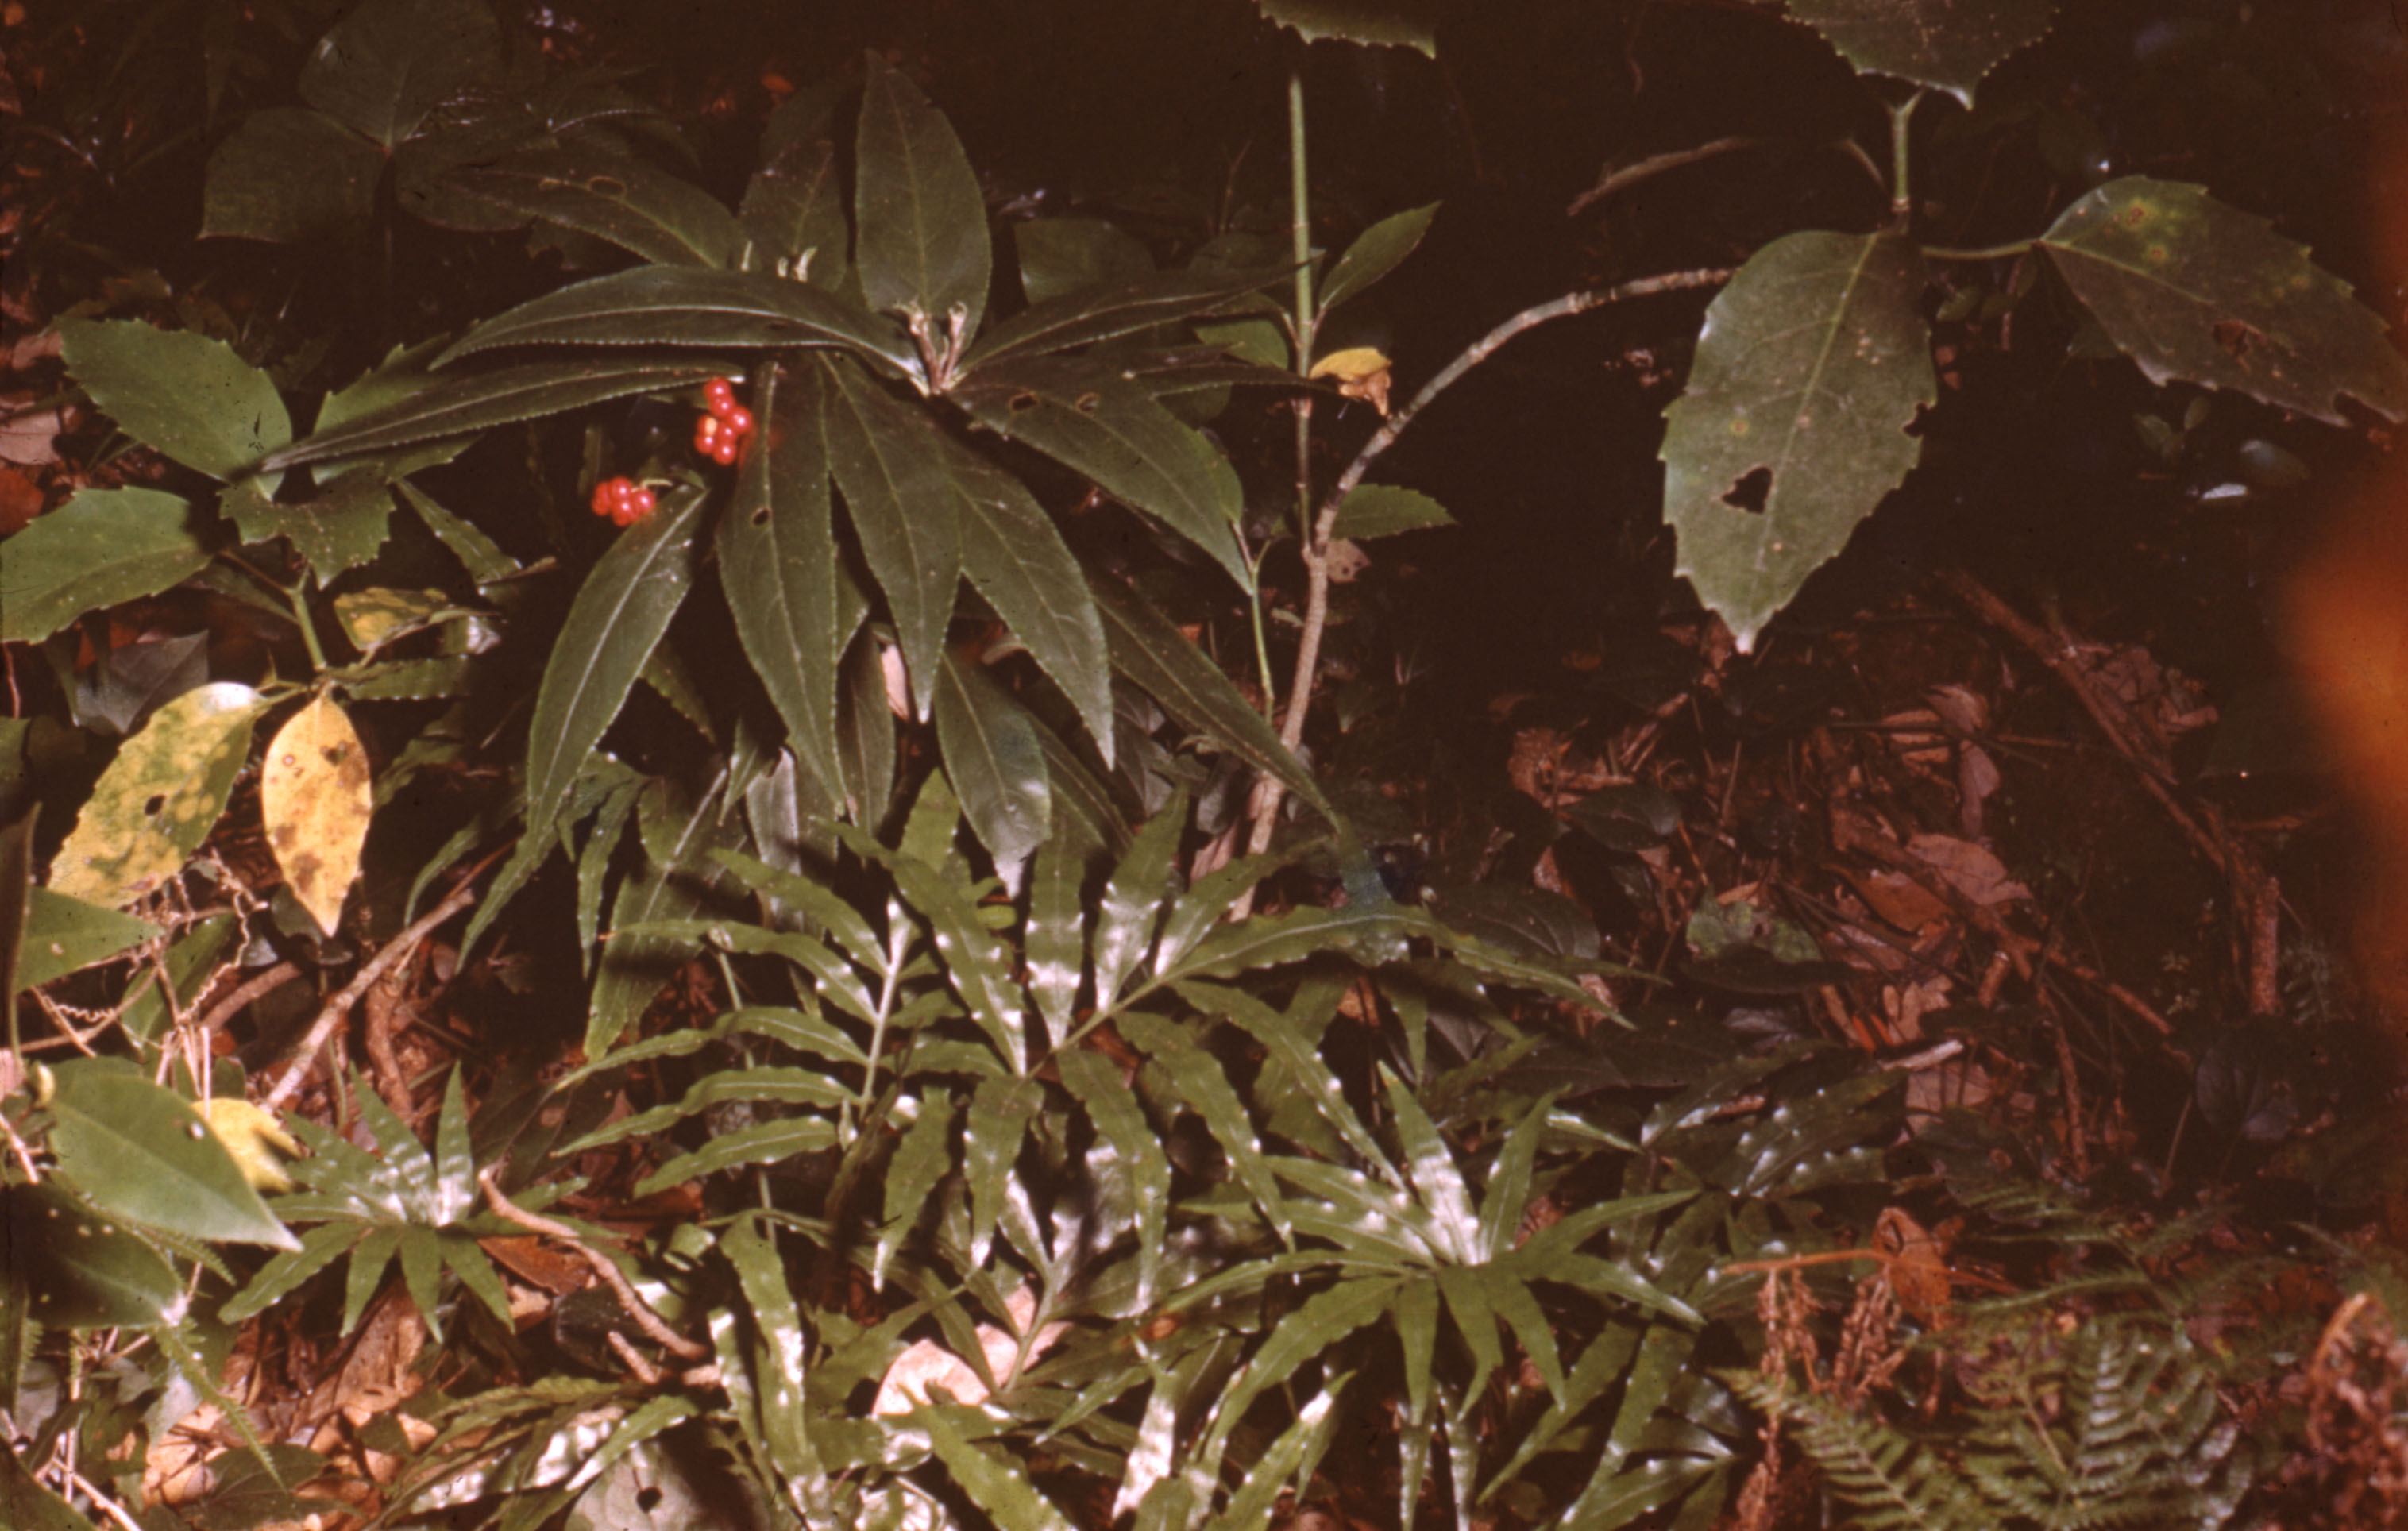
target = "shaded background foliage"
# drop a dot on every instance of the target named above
(1723, 1136)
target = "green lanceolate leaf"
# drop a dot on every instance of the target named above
(288, 174)
(993, 759)
(794, 209)
(992, 1133)
(1133, 902)
(889, 460)
(78, 1269)
(389, 63)
(1054, 940)
(1149, 649)
(1944, 43)
(1018, 561)
(467, 404)
(991, 1478)
(1113, 1108)
(141, 1153)
(1385, 509)
(920, 224)
(1086, 416)
(678, 833)
(796, 608)
(1061, 257)
(188, 395)
(64, 935)
(159, 798)
(922, 1159)
(2194, 290)
(1116, 308)
(620, 614)
(1378, 250)
(1197, 1077)
(1267, 941)
(751, 1246)
(974, 959)
(643, 210)
(1812, 364)
(689, 306)
(101, 548)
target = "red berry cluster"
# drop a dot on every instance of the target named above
(623, 500)
(720, 435)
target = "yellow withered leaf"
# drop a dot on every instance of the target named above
(313, 793)
(253, 1138)
(1362, 373)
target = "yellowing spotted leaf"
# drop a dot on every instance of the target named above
(1362, 373)
(313, 792)
(159, 798)
(373, 618)
(254, 1138)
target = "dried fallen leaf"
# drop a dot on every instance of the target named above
(1968, 869)
(926, 1365)
(313, 793)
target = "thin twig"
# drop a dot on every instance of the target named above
(376, 967)
(1316, 548)
(612, 1277)
(252, 991)
(1656, 164)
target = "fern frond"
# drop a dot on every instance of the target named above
(1892, 1480)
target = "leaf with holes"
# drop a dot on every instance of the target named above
(159, 798)
(1812, 364)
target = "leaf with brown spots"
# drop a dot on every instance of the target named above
(313, 793)
(159, 798)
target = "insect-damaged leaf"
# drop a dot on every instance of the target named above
(159, 798)
(1812, 364)
(2194, 290)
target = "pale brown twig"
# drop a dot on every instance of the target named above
(374, 968)
(1315, 551)
(612, 1277)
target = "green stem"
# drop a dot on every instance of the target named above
(1901, 198)
(1303, 322)
(899, 945)
(1988, 252)
(295, 596)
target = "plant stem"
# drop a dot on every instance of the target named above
(1901, 199)
(1316, 548)
(1988, 252)
(1302, 323)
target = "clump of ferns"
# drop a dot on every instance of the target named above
(2061, 1419)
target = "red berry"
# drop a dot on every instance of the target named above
(725, 451)
(609, 494)
(720, 394)
(642, 502)
(738, 419)
(708, 433)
